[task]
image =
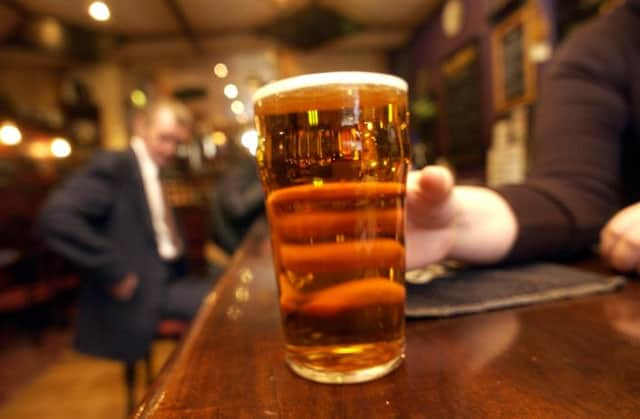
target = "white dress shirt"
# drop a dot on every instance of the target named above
(167, 247)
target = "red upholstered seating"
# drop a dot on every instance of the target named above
(171, 328)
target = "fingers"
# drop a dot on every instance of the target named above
(125, 289)
(345, 256)
(342, 297)
(353, 295)
(623, 250)
(426, 246)
(429, 199)
(429, 233)
(620, 240)
(324, 225)
(616, 228)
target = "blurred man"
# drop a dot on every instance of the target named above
(237, 201)
(112, 219)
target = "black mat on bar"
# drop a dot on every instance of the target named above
(441, 292)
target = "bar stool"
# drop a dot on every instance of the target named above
(166, 329)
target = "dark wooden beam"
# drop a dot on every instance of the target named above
(18, 8)
(167, 36)
(185, 26)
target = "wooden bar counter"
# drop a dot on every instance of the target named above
(573, 358)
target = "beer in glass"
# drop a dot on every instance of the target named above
(333, 155)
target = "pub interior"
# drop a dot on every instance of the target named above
(76, 74)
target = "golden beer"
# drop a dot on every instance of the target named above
(333, 156)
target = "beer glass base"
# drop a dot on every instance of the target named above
(346, 377)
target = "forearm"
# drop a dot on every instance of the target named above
(77, 241)
(485, 227)
(72, 220)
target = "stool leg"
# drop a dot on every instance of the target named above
(149, 364)
(129, 378)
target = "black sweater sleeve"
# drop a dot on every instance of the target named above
(573, 187)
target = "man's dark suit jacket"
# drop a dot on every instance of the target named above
(100, 220)
(236, 202)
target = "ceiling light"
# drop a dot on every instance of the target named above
(219, 138)
(231, 91)
(237, 107)
(60, 147)
(10, 134)
(50, 32)
(221, 70)
(99, 11)
(138, 98)
(249, 140)
(540, 52)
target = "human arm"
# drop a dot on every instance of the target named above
(582, 116)
(74, 215)
(573, 187)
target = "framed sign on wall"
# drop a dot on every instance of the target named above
(461, 107)
(514, 72)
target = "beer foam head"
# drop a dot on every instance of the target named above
(334, 78)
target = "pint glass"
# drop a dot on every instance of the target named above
(333, 155)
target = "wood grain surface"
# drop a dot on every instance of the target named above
(568, 359)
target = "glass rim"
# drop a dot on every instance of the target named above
(336, 77)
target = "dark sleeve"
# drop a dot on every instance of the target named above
(74, 215)
(573, 188)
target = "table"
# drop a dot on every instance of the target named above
(572, 358)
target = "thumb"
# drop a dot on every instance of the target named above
(429, 187)
(429, 192)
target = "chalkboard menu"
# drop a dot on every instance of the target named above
(462, 109)
(513, 63)
(514, 72)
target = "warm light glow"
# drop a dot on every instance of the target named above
(237, 107)
(312, 116)
(209, 147)
(138, 98)
(249, 140)
(540, 52)
(39, 150)
(242, 118)
(50, 32)
(221, 70)
(10, 134)
(60, 148)
(231, 91)
(99, 11)
(219, 138)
